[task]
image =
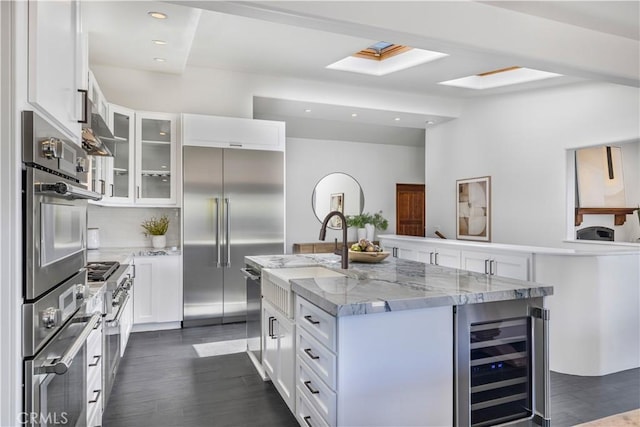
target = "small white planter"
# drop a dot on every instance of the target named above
(362, 233)
(159, 242)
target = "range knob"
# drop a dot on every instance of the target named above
(50, 318)
(51, 148)
(81, 165)
(82, 291)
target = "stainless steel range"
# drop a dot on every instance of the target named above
(118, 314)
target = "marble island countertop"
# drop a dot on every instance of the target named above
(395, 284)
(125, 255)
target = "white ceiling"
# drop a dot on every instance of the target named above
(121, 34)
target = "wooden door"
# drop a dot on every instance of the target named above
(410, 209)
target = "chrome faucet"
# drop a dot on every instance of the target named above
(323, 234)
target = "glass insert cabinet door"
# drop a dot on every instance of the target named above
(122, 147)
(156, 157)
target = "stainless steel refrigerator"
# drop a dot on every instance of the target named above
(233, 206)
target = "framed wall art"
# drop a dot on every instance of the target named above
(336, 204)
(473, 209)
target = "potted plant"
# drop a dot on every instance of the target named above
(367, 224)
(157, 229)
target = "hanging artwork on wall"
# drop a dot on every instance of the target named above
(473, 209)
(336, 204)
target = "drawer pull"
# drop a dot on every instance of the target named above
(311, 355)
(271, 319)
(96, 360)
(306, 420)
(308, 385)
(310, 320)
(96, 397)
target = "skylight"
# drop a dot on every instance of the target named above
(384, 58)
(502, 77)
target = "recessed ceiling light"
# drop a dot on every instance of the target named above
(354, 114)
(159, 42)
(429, 122)
(159, 59)
(158, 15)
(307, 110)
(502, 77)
(397, 119)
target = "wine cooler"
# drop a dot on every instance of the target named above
(501, 366)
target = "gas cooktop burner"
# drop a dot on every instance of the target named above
(100, 271)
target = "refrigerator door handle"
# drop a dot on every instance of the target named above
(227, 242)
(216, 200)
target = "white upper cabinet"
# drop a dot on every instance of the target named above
(232, 132)
(156, 159)
(55, 63)
(120, 176)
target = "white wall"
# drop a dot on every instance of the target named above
(520, 140)
(377, 167)
(120, 226)
(10, 247)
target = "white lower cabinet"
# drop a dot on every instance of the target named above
(374, 369)
(494, 264)
(278, 351)
(157, 292)
(421, 252)
(126, 324)
(94, 402)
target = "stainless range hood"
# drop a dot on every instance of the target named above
(95, 133)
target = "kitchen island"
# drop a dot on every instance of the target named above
(388, 343)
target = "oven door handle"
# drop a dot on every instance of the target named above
(120, 312)
(61, 366)
(68, 190)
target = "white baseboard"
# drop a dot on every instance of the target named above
(163, 326)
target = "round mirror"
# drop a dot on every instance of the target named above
(337, 192)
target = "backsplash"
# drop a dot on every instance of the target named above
(120, 226)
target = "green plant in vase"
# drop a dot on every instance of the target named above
(157, 229)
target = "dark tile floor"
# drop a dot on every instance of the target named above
(162, 382)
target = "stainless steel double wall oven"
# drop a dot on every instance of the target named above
(54, 226)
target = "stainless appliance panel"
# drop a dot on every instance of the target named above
(254, 313)
(496, 392)
(202, 251)
(41, 319)
(254, 225)
(55, 236)
(55, 379)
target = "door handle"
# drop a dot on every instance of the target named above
(436, 258)
(430, 257)
(491, 269)
(227, 240)
(217, 227)
(486, 266)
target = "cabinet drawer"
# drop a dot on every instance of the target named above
(94, 342)
(306, 413)
(316, 391)
(320, 324)
(94, 414)
(321, 361)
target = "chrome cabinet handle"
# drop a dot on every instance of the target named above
(491, 269)
(308, 385)
(138, 191)
(96, 360)
(311, 355)
(436, 258)
(112, 190)
(85, 106)
(486, 266)
(310, 320)
(96, 396)
(430, 257)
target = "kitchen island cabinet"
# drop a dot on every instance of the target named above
(379, 345)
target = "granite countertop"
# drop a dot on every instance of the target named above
(395, 284)
(125, 255)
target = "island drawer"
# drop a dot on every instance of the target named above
(316, 391)
(306, 413)
(321, 361)
(320, 324)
